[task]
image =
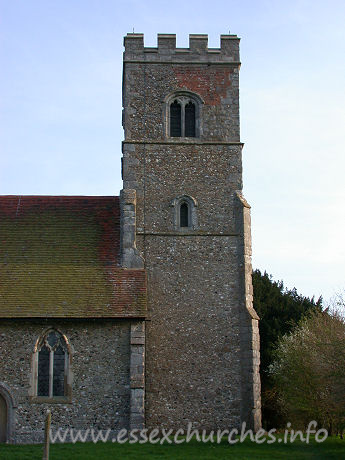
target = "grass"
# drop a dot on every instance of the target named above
(332, 448)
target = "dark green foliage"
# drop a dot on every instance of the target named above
(280, 310)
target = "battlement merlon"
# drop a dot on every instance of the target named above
(166, 51)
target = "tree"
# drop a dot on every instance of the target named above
(279, 310)
(309, 371)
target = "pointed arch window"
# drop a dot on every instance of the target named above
(51, 372)
(185, 215)
(184, 115)
(52, 365)
(189, 118)
(175, 119)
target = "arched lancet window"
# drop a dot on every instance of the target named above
(52, 365)
(184, 215)
(184, 114)
(189, 119)
(175, 119)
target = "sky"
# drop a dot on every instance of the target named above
(60, 112)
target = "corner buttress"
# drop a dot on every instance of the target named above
(250, 338)
(130, 256)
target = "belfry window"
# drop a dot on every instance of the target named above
(52, 365)
(183, 115)
(189, 120)
(175, 119)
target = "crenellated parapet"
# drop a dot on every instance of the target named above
(166, 50)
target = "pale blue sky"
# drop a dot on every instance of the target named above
(60, 88)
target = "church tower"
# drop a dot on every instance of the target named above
(182, 158)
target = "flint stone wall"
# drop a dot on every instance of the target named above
(201, 352)
(101, 376)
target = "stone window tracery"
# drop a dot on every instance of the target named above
(52, 362)
(183, 115)
(51, 367)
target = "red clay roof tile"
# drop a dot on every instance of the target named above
(60, 257)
